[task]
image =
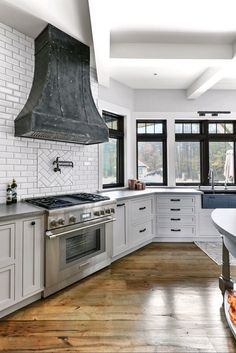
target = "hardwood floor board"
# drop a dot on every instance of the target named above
(162, 298)
(117, 342)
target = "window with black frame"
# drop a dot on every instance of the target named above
(151, 152)
(113, 151)
(205, 145)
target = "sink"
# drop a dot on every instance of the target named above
(221, 192)
(219, 199)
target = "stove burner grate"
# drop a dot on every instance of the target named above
(60, 201)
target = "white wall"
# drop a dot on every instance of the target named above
(118, 99)
(176, 101)
(117, 94)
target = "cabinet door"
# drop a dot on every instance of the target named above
(120, 241)
(7, 292)
(7, 241)
(32, 246)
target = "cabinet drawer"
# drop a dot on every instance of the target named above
(175, 210)
(7, 241)
(141, 210)
(170, 201)
(142, 232)
(176, 231)
(176, 220)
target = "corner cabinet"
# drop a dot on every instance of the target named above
(134, 226)
(141, 220)
(21, 261)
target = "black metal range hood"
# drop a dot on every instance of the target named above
(60, 106)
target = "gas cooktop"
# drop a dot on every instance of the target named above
(68, 200)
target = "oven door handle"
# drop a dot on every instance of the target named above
(50, 235)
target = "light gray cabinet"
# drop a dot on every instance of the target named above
(120, 234)
(176, 217)
(141, 222)
(7, 264)
(134, 225)
(32, 245)
(21, 261)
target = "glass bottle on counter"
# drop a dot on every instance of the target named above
(9, 195)
(14, 191)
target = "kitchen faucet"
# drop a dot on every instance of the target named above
(225, 183)
(211, 178)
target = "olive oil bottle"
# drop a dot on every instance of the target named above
(9, 195)
(14, 191)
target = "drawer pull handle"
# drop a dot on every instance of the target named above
(175, 200)
(143, 230)
(120, 204)
(142, 208)
(175, 209)
(176, 230)
(33, 223)
(175, 219)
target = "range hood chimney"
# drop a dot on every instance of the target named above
(60, 106)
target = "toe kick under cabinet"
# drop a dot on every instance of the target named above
(176, 217)
(21, 261)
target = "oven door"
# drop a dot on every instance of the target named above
(76, 251)
(77, 247)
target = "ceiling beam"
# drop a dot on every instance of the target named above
(171, 51)
(210, 77)
(101, 40)
(207, 80)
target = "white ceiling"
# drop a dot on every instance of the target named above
(189, 44)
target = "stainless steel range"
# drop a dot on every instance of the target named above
(78, 238)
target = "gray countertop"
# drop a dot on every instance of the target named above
(22, 209)
(126, 193)
(19, 210)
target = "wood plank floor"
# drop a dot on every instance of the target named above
(162, 298)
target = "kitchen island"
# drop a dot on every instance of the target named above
(225, 222)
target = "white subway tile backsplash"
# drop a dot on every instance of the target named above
(25, 159)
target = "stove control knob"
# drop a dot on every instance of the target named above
(61, 221)
(72, 219)
(53, 223)
(112, 210)
(102, 212)
(97, 213)
(108, 211)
